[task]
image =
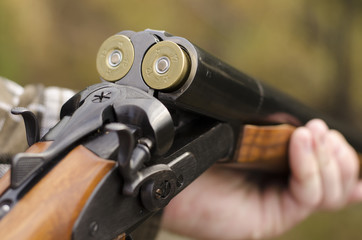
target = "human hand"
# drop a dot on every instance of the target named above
(223, 204)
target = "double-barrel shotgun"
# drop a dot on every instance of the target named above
(164, 112)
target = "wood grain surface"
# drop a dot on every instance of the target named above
(50, 208)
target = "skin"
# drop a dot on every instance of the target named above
(223, 204)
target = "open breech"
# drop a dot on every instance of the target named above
(164, 113)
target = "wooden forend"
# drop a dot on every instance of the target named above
(264, 147)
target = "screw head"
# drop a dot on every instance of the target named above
(93, 228)
(158, 193)
(163, 191)
(5, 207)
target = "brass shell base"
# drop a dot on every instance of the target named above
(175, 73)
(118, 43)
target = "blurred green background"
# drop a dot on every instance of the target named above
(309, 49)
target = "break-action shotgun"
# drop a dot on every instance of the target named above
(164, 112)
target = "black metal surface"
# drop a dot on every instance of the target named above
(116, 213)
(86, 115)
(107, 103)
(205, 146)
(218, 90)
(105, 145)
(113, 212)
(137, 108)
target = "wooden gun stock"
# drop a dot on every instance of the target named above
(50, 208)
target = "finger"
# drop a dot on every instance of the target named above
(347, 162)
(330, 172)
(318, 129)
(324, 144)
(305, 183)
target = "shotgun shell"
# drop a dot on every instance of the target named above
(165, 66)
(115, 58)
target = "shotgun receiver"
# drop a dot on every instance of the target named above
(164, 112)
